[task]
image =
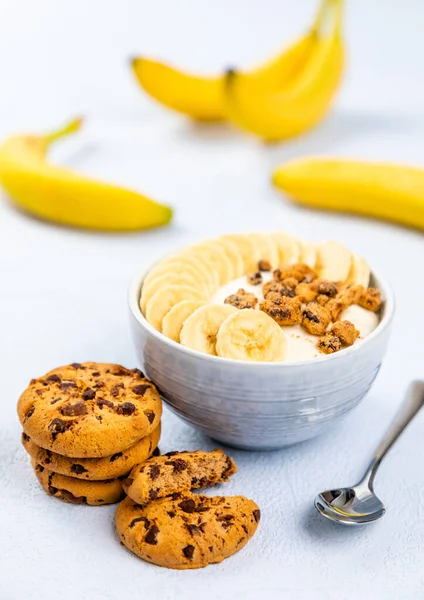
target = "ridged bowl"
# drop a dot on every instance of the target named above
(260, 406)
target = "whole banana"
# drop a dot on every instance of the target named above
(386, 191)
(203, 98)
(58, 194)
(285, 112)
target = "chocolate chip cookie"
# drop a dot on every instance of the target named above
(75, 491)
(89, 410)
(177, 472)
(108, 467)
(187, 531)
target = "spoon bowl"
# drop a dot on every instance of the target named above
(356, 505)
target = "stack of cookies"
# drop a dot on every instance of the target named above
(163, 522)
(86, 426)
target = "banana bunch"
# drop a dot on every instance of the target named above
(284, 97)
(386, 191)
(58, 194)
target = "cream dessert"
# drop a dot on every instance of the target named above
(262, 297)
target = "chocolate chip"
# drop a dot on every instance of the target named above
(53, 378)
(58, 426)
(99, 384)
(210, 548)
(78, 469)
(25, 437)
(32, 381)
(116, 388)
(127, 408)
(257, 515)
(115, 456)
(39, 468)
(121, 371)
(140, 519)
(89, 394)
(156, 452)
(178, 465)
(173, 453)
(153, 494)
(55, 400)
(66, 385)
(244, 528)
(154, 472)
(53, 490)
(77, 366)
(203, 482)
(74, 410)
(30, 413)
(193, 529)
(310, 316)
(140, 390)
(150, 416)
(151, 536)
(202, 508)
(138, 373)
(95, 374)
(194, 480)
(171, 513)
(39, 392)
(188, 505)
(128, 482)
(188, 551)
(99, 418)
(101, 403)
(66, 495)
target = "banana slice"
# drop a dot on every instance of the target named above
(288, 248)
(180, 265)
(251, 335)
(359, 273)
(164, 299)
(266, 248)
(173, 321)
(200, 329)
(308, 253)
(214, 258)
(233, 253)
(150, 288)
(334, 261)
(247, 249)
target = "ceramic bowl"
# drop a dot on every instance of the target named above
(260, 406)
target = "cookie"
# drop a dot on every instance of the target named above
(89, 410)
(177, 472)
(187, 531)
(76, 491)
(108, 467)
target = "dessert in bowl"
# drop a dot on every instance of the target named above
(261, 340)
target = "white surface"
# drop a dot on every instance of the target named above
(63, 293)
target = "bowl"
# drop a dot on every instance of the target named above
(260, 406)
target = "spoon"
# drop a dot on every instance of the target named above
(359, 505)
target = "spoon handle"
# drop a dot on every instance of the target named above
(413, 401)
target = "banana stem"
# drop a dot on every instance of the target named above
(325, 13)
(69, 128)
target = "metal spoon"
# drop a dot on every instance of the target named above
(359, 505)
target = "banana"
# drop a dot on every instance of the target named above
(359, 273)
(232, 251)
(60, 195)
(289, 249)
(164, 299)
(203, 98)
(308, 253)
(251, 335)
(163, 281)
(246, 249)
(215, 258)
(175, 318)
(284, 113)
(200, 329)
(182, 263)
(265, 247)
(386, 191)
(334, 261)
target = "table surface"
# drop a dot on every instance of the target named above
(64, 292)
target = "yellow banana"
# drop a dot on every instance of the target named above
(58, 194)
(202, 98)
(386, 191)
(285, 113)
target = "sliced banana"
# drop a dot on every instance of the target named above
(359, 273)
(266, 248)
(214, 258)
(200, 329)
(334, 261)
(247, 249)
(150, 288)
(174, 319)
(181, 264)
(251, 335)
(288, 248)
(233, 253)
(164, 299)
(308, 253)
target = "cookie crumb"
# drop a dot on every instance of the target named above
(298, 271)
(315, 318)
(264, 265)
(254, 278)
(278, 288)
(329, 343)
(327, 288)
(345, 297)
(242, 299)
(370, 299)
(284, 310)
(306, 292)
(322, 299)
(346, 332)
